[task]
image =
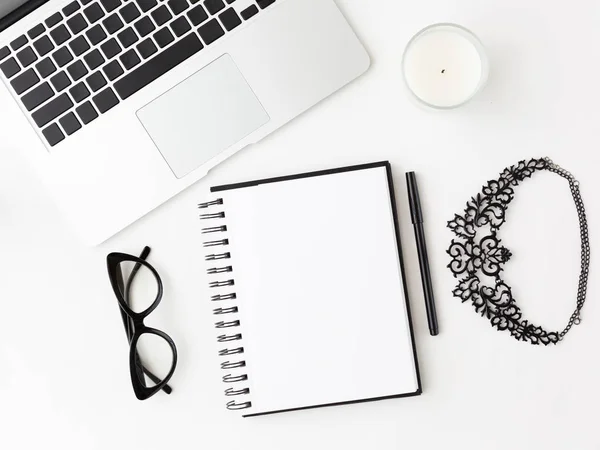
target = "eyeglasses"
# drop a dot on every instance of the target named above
(139, 291)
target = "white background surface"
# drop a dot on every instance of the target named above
(64, 379)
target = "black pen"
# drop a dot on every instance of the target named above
(417, 219)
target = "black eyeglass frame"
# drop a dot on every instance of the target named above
(134, 322)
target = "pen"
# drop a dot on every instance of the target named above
(417, 219)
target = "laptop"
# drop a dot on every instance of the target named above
(122, 104)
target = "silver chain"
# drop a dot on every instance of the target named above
(575, 318)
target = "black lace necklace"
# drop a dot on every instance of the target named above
(473, 256)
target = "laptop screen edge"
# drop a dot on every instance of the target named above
(22, 11)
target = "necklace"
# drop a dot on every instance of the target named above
(476, 259)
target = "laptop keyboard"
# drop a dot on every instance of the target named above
(85, 59)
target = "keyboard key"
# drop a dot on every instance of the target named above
(180, 26)
(79, 45)
(62, 56)
(53, 135)
(39, 95)
(25, 81)
(18, 42)
(105, 100)
(230, 19)
(96, 81)
(43, 45)
(36, 31)
(71, 8)
(60, 34)
(85, 2)
(96, 34)
(54, 19)
(79, 92)
(77, 24)
(197, 15)
(111, 48)
(264, 3)
(229, 2)
(86, 113)
(214, 6)
(211, 31)
(94, 59)
(27, 56)
(77, 70)
(128, 37)
(93, 13)
(4, 52)
(249, 12)
(163, 37)
(158, 66)
(52, 110)
(144, 26)
(130, 59)
(113, 23)
(178, 6)
(147, 48)
(161, 15)
(146, 5)
(60, 81)
(70, 123)
(110, 5)
(45, 67)
(10, 67)
(113, 70)
(130, 12)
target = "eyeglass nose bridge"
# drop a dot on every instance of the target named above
(138, 317)
(137, 320)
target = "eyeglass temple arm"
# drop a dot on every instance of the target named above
(129, 326)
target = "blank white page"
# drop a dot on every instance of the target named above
(320, 291)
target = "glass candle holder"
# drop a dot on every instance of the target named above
(444, 66)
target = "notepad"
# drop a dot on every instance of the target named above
(307, 282)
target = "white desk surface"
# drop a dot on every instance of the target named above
(64, 379)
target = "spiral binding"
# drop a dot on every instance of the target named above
(227, 309)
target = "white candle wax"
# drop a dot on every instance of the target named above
(444, 66)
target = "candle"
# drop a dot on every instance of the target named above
(444, 66)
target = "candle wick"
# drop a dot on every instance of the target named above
(443, 70)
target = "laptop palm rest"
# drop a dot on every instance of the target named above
(202, 116)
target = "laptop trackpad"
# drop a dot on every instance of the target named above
(202, 116)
